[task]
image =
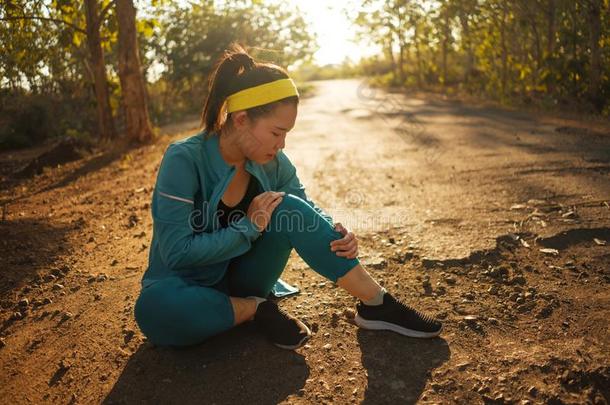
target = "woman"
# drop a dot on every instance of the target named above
(224, 208)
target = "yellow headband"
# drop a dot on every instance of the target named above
(261, 94)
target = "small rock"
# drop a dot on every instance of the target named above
(462, 366)
(450, 280)
(66, 315)
(532, 391)
(2, 343)
(57, 272)
(17, 316)
(545, 312)
(129, 334)
(58, 286)
(518, 280)
(327, 346)
(102, 277)
(24, 302)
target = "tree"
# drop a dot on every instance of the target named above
(65, 17)
(133, 91)
(106, 126)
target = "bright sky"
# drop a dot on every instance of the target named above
(336, 35)
(334, 30)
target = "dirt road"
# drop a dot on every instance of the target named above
(452, 204)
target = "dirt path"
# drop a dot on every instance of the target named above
(452, 204)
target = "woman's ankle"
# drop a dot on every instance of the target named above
(359, 283)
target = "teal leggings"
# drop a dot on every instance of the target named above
(179, 312)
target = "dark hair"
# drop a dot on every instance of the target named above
(236, 70)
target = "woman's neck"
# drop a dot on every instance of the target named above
(229, 150)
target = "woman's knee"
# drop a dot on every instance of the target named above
(171, 312)
(293, 214)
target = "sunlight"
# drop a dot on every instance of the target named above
(336, 34)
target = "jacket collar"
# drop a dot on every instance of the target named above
(221, 167)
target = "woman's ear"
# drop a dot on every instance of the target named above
(240, 119)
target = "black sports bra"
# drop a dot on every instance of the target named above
(228, 214)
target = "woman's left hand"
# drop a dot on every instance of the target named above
(346, 246)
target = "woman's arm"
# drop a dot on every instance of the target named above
(289, 182)
(173, 210)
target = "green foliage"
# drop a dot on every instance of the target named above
(47, 84)
(515, 51)
(188, 40)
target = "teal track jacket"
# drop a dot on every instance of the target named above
(187, 238)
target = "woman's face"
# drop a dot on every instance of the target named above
(260, 140)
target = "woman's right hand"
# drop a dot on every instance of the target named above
(262, 206)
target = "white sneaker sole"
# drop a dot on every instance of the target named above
(381, 325)
(296, 346)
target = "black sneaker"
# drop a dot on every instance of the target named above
(397, 316)
(282, 329)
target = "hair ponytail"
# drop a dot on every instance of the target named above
(233, 62)
(236, 70)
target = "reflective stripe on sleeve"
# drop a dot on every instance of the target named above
(173, 197)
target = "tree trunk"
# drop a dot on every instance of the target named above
(401, 63)
(538, 50)
(390, 40)
(105, 122)
(133, 92)
(504, 72)
(445, 46)
(401, 47)
(468, 45)
(550, 15)
(595, 63)
(417, 56)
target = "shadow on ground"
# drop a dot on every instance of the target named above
(240, 366)
(28, 246)
(398, 368)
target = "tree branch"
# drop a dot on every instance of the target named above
(55, 20)
(105, 11)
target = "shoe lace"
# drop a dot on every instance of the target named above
(426, 318)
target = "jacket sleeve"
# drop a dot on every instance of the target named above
(289, 182)
(173, 212)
